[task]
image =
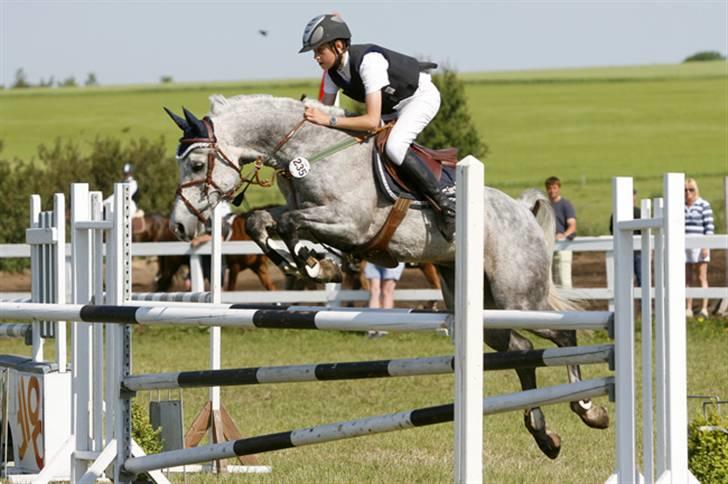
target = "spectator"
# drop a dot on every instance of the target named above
(637, 258)
(382, 281)
(206, 260)
(565, 230)
(698, 221)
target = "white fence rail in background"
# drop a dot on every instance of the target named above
(333, 295)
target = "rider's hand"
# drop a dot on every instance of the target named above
(315, 116)
(198, 241)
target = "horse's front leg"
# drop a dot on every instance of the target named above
(321, 224)
(261, 225)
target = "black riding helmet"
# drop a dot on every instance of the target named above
(323, 29)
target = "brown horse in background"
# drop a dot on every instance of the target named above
(237, 263)
(155, 228)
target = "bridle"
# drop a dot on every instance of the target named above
(216, 153)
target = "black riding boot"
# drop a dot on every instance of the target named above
(428, 186)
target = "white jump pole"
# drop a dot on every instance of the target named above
(646, 286)
(122, 293)
(677, 412)
(216, 292)
(468, 322)
(37, 280)
(626, 442)
(59, 273)
(80, 331)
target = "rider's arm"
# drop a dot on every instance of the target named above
(366, 122)
(375, 77)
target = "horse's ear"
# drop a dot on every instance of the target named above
(178, 120)
(197, 126)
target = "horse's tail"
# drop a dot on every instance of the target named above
(541, 208)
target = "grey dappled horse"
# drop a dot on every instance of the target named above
(338, 204)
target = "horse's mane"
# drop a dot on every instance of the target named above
(219, 104)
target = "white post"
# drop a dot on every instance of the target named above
(624, 333)
(80, 332)
(468, 322)
(676, 410)
(216, 291)
(121, 259)
(609, 263)
(660, 345)
(36, 267)
(59, 259)
(197, 279)
(646, 303)
(97, 330)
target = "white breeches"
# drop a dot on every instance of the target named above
(413, 115)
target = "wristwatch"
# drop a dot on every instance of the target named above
(332, 121)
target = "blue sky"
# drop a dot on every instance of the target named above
(138, 42)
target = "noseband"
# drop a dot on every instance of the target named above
(214, 154)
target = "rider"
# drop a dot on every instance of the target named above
(392, 86)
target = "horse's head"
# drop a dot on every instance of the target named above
(254, 129)
(208, 174)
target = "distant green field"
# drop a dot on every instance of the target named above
(583, 125)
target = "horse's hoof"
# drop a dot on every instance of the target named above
(551, 446)
(549, 442)
(593, 416)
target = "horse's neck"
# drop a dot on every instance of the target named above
(276, 123)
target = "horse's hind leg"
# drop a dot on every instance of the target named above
(507, 340)
(594, 416)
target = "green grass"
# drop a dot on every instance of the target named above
(583, 125)
(418, 455)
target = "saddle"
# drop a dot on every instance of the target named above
(441, 163)
(395, 186)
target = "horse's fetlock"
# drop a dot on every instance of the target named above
(535, 418)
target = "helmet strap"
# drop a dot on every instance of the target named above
(339, 55)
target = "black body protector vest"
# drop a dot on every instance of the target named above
(403, 72)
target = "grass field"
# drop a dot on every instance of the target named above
(583, 125)
(423, 455)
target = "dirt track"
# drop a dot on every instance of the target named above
(588, 271)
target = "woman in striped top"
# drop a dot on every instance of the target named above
(698, 221)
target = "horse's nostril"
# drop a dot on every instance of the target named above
(180, 230)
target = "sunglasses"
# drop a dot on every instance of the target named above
(689, 189)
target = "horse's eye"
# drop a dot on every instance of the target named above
(198, 166)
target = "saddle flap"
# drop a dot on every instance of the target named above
(444, 156)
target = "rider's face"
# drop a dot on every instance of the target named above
(325, 56)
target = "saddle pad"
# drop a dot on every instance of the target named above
(393, 190)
